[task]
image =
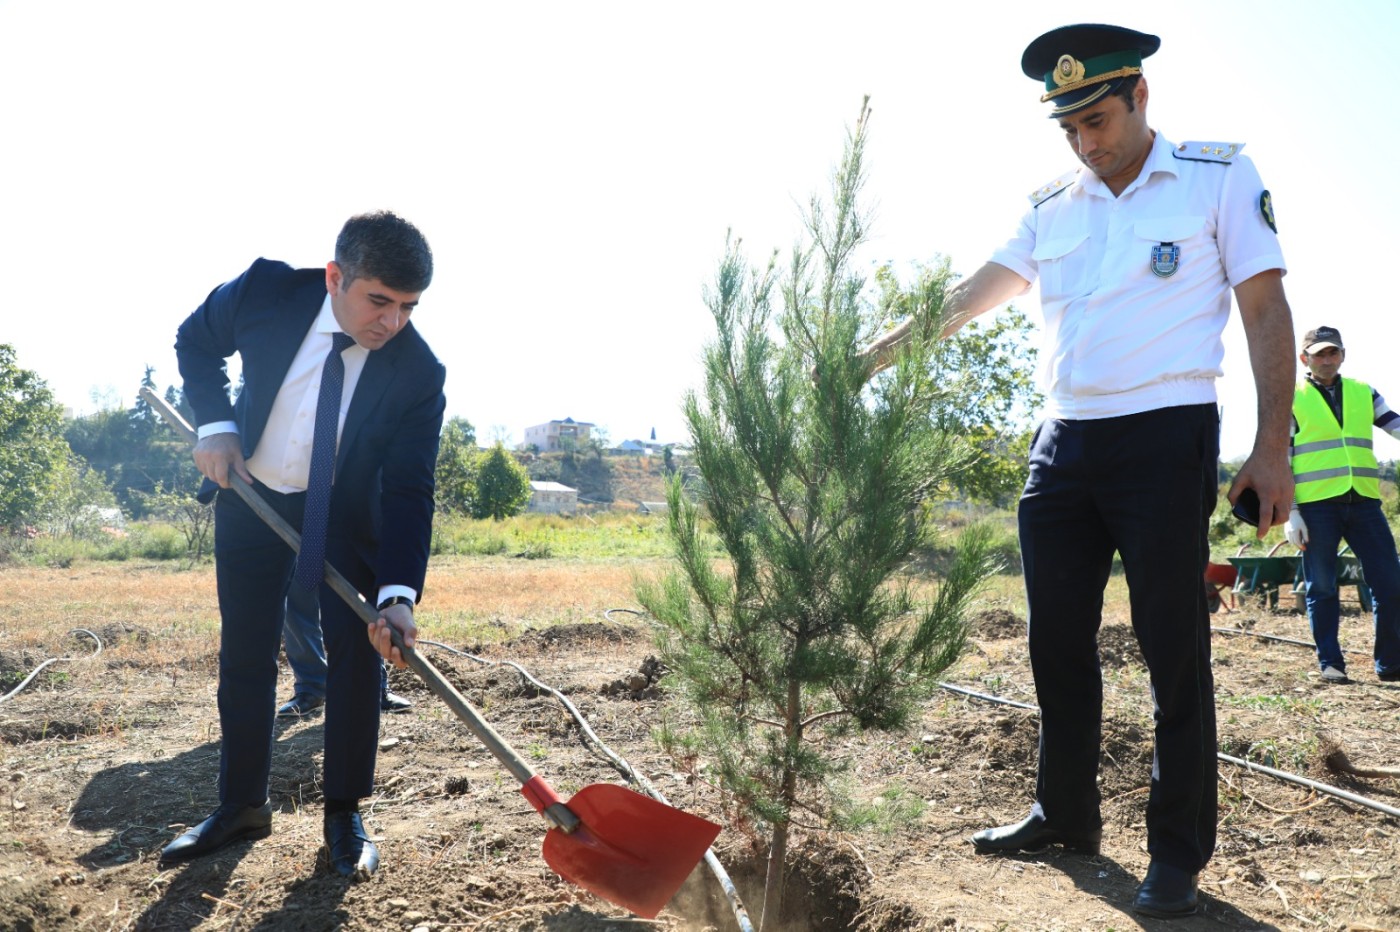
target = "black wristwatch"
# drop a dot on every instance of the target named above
(395, 600)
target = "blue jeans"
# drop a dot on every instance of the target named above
(306, 651)
(1363, 526)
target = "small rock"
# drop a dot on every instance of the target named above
(636, 682)
(387, 743)
(1311, 876)
(399, 902)
(414, 916)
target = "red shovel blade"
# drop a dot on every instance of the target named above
(630, 849)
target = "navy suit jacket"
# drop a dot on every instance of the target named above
(383, 488)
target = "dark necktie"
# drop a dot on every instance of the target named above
(318, 483)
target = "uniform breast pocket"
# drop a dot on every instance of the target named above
(1169, 244)
(1063, 264)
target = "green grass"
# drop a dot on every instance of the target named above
(1293, 705)
(537, 537)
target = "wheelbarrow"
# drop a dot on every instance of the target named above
(1263, 576)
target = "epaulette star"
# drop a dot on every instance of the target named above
(1218, 152)
(1045, 192)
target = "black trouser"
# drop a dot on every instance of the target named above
(253, 567)
(1143, 485)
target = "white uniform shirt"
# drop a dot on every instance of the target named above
(1121, 339)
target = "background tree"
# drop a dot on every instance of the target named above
(814, 477)
(34, 457)
(139, 457)
(502, 485)
(990, 365)
(456, 466)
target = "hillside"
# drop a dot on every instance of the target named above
(619, 480)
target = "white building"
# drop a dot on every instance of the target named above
(552, 498)
(567, 434)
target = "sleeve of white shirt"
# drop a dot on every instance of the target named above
(1016, 254)
(217, 427)
(388, 592)
(1247, 245)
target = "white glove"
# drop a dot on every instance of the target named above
(1296, 530)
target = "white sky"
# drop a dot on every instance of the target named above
(576, 166)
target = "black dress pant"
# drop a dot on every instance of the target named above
(253, 566)
(1143, 485)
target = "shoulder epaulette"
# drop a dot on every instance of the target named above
(1063, 183)
(1218, 152)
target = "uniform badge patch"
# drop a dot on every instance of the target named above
(1266, 207)
(1166, 259)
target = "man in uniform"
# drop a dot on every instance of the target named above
(1137, 253)
(1337, 495)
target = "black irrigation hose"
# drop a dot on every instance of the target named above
(1278, 774)
(619, 763)
(1275, 637)
(41, 666)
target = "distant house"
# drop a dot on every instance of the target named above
(653, 508)
(552, 498)
(633, 447)
(567, 434)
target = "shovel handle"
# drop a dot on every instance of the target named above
(555, 811)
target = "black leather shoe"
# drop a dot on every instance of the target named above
(299, 705)
(228, 823)
(393, 702)
(1166, 892)
(1033, 835)
(351, 852)
(1389, 676)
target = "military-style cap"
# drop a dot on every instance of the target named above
(1315, 340)
(1082, 64)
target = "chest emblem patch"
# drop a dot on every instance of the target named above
(1166, 259)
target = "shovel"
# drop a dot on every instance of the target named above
(627, 848)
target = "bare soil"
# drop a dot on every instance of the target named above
(103, 760)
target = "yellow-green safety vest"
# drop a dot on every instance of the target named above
(1330, 459)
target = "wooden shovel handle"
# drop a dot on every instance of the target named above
(557, 813)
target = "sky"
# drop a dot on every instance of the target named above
(576, 168)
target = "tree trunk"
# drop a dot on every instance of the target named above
(776, 877)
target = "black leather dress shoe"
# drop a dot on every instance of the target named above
(351, 852)
(1166, 892)
(393, 702)
(228, 823)
(1031, 834)
(299, 705)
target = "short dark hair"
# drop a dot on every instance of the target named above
(382, 245)
(1124, 90)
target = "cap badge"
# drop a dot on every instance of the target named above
(1068, 70)
(1166, 259)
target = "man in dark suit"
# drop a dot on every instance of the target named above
(337, 383)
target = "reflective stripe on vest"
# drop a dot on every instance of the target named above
(1331, 459)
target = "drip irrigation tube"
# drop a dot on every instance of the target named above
(1277, 774)
(619, 763)
(28, 679)
(1274, 637)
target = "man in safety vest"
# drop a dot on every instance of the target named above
(1337, 497)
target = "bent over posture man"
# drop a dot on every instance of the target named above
(1137, 253)
(1338, 497)
(337, 429)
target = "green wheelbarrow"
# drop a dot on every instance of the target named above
(1264, 576)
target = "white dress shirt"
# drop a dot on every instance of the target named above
(282, 460)
(1121, 339)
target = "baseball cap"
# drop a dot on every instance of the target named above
(1319, 337)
